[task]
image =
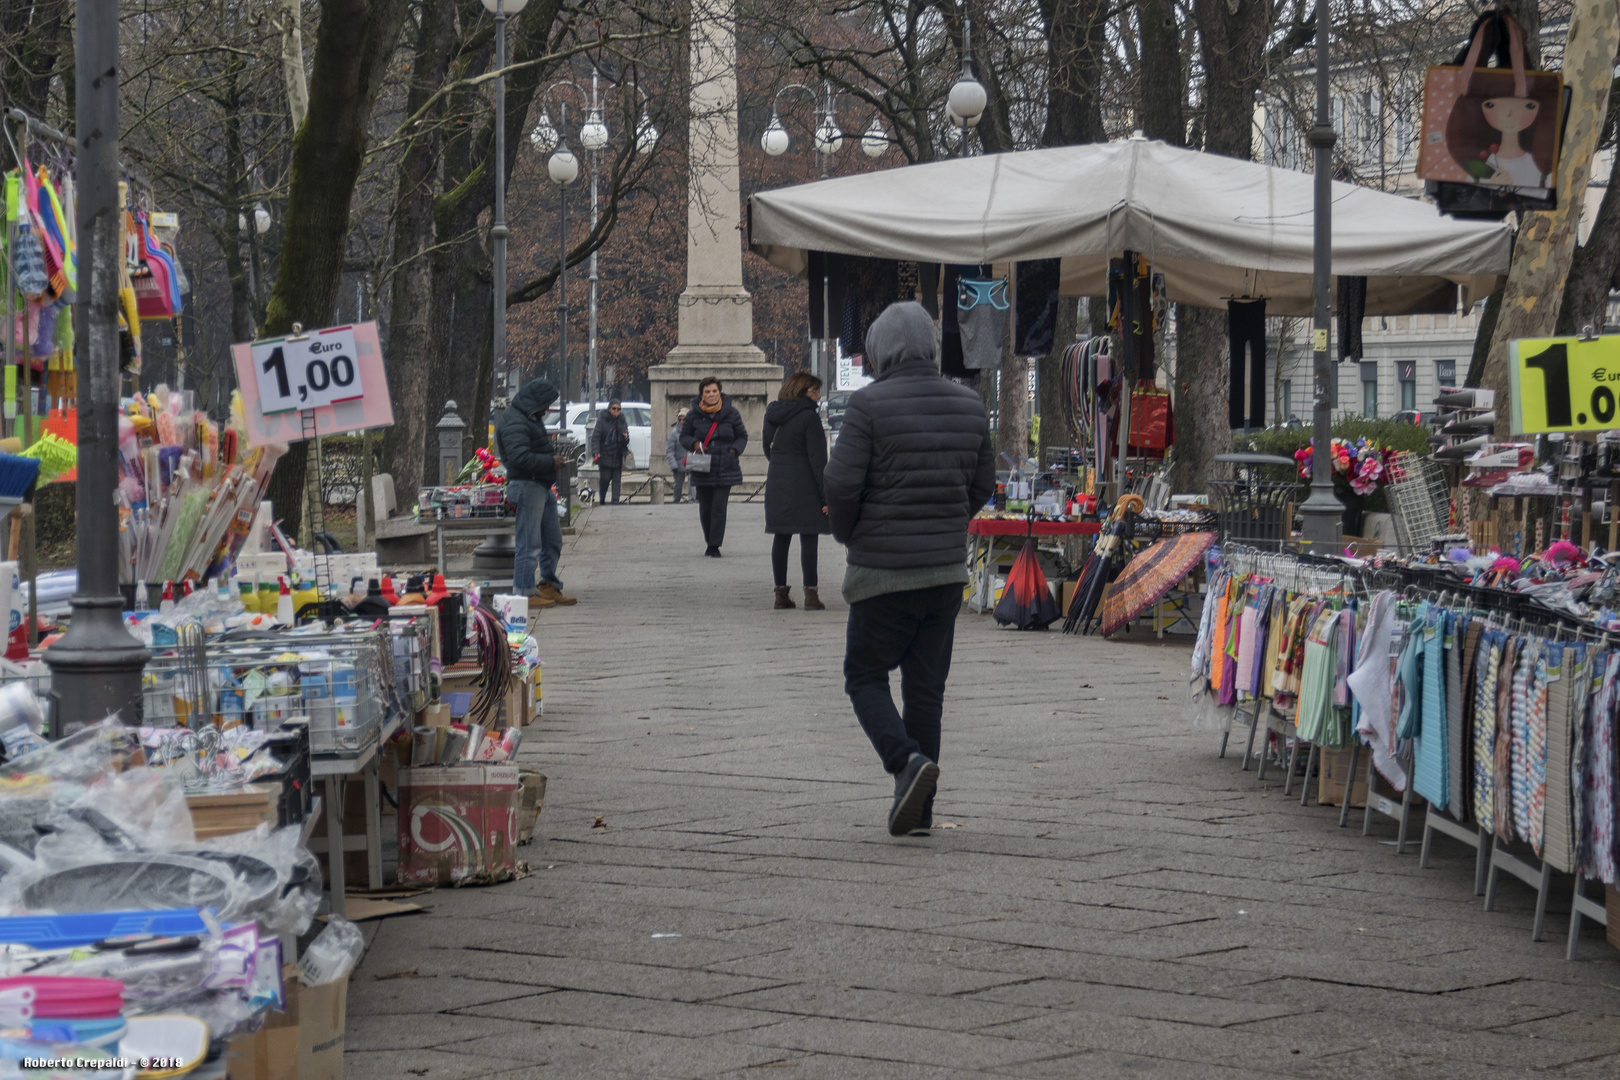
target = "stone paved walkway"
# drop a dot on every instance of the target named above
(1114, 902)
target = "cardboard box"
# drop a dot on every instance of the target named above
(458, 824)
(1335, 765)
(435, 715)
(304, 1042)
(236, 811)
(534, 801)
(1066, 595)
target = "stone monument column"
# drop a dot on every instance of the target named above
(715, 315)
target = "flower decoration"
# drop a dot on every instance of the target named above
(1363, 465)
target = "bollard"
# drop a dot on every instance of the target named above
(656, 487)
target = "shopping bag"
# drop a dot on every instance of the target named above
(1495, 127)
(1153, 423)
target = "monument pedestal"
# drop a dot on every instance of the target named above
(747, 380)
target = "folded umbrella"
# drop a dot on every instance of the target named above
(1101, 565)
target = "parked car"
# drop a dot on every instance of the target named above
(637, 413)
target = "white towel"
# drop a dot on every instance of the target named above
(1370, 683)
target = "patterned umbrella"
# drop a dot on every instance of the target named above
(1151, 575)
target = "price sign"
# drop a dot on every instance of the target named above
(1564, 384)
(307, 371)
(297, 388)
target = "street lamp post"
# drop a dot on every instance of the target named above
(96, 667)
(498, 230)
(1322, 511)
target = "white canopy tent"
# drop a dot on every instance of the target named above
(1217, 228)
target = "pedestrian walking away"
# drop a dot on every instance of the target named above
(796, 447)
(532, 464)
(676, 455)
(713, 435)
(610, 444)
(912, 463)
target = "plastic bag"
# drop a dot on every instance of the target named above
(332, 954)
(149, 805)
(89, 752)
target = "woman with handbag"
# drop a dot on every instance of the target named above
(796, 447)
(714, 438)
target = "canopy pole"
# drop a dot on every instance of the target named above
(1322, 512)
(1127, 369)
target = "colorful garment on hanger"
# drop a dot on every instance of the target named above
(1598, 763)
(1430, 778)
(1371, 683)
(1316, 718)
(1512, 703)
(1484, 758)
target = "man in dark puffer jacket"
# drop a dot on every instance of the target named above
(912, 464)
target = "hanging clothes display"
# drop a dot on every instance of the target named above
(1246, 330)
(982, 314)
(1495, 722)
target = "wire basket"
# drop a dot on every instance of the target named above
(1419, 502)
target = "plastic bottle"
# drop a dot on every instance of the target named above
(185, 588)
(245, 593)
(284, 604)
(388, 591)
(304, 593)
(143, 600)
(267, 596)
(438, 592)
(166, 605)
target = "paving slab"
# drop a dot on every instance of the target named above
(1111, 899)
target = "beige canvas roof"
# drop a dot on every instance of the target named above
(1218, 228)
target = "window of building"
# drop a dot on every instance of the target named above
(1406, 374)
(1369, 390)
(1445, 372)
(1287, 398)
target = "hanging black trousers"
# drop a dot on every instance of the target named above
(1246, 326)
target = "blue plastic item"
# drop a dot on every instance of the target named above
(102, 1033)
(63, 931)
(460, 703)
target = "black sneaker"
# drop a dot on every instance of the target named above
(924, 826)
(912, 787)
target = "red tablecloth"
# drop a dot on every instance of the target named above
(1005, 527)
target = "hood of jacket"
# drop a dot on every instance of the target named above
(534, 398)
(780, 412)
(902, 335)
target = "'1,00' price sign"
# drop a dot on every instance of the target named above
(1564, 384)
(307, 372)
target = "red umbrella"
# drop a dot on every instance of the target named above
(1027, 602)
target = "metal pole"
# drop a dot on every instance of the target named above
(1322, 512)
(595, 158)
(96, 667)
(498, 231)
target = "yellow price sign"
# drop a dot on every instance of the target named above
(1564, 384)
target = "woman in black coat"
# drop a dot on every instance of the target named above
(796, 446)
(714, 427)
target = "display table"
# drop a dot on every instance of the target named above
(985, 535)
(331, 769)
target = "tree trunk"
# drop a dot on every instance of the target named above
(1591, 273)
(1545, 246)
(1482, 338)
(410, 337)
(1161, 94)
(1233, 35)
(353, 46)
(1076, 44)
(1201, 387)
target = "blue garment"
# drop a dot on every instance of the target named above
(1429, 748)
(1409, 673)
(538, 534)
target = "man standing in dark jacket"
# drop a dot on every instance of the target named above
(912, 464)
(610, 442)
(532, 465)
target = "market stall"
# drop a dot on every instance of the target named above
(1484, 708)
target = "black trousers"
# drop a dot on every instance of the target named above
(680, 480)
(610, 475)
(807, 557)
(712, 500)
(912, 631)
(1246, 327)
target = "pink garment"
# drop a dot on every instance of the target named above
(1247, 654)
